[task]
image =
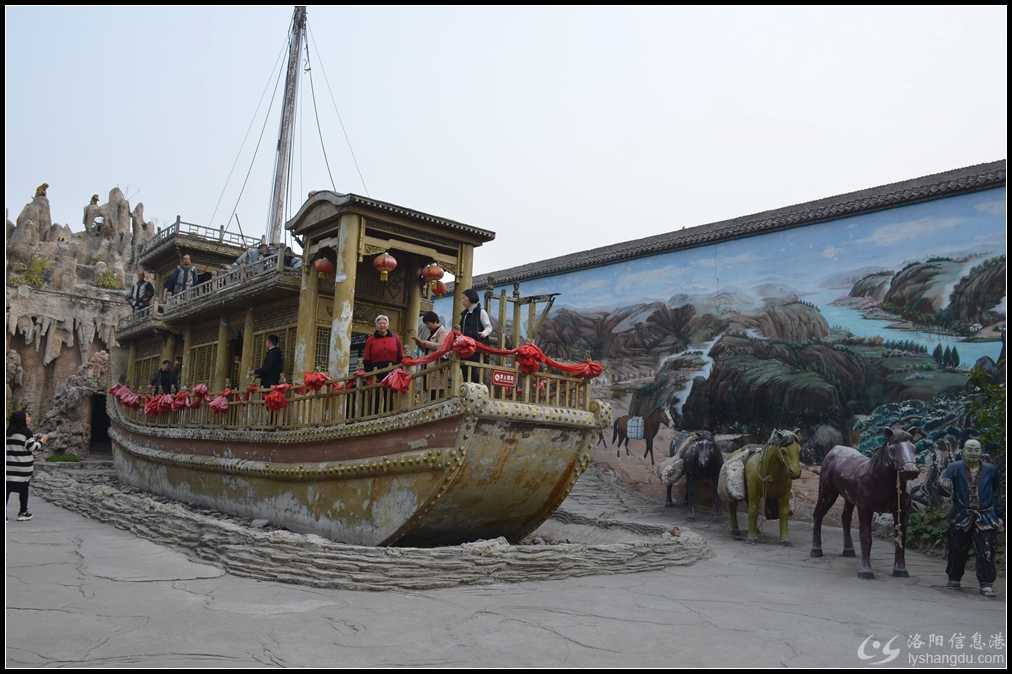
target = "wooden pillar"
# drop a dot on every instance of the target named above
(184, 376)
(410, 329)
(248, 358)
(305, 333)
(516, 319)
(532, 319)
(348, 238)
(502, 319)
(463, 280)
(221, 357)
(131, 372)
(168, 348)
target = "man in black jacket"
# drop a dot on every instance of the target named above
(270, 372)
(142, 292)
(164, 379)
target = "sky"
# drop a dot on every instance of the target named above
(561, 129)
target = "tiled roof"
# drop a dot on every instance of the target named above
(344, 200)
(936, 186)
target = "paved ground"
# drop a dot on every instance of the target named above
(84, 593)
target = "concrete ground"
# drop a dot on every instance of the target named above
(84, 593)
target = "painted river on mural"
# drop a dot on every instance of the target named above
(851, 319)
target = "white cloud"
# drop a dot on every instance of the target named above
(889, 235)
(732, 260)
(831, 252)
(648, 277)
(995, 207)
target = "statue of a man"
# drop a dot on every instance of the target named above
(976, 517)
(91, 214)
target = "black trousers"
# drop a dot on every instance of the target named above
(471, 374)
(983, 544)
(21, 489)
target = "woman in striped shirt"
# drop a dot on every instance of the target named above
(21, 444)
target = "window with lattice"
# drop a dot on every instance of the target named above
(322, 359)
(202, 360)
(143, 371)
(286, 342)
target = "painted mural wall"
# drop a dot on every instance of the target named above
(820, 324)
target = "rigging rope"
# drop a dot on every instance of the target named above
(235, 162)
(347, 138)
(316, 112)
(257, 149)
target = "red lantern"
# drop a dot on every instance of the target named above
(384, 264)
(432, 272)
(323, 265)
(439, 289)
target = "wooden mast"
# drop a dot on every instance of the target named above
(284, 148)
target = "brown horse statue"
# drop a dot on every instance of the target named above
(651, 426)
(875, 485)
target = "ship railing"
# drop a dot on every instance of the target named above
(219, 235)
(365, 398)
(506, 382)
(226, 280)
(153, 310)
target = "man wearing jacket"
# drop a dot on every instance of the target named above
(975, 519)
(273, 365)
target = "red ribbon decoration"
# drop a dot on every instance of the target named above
(151, 407)
(314, 381)
(200, 391)
(275, 400)
(164, 402)
(180, 401)
(398, 380)
(529, 356)
(220, 403)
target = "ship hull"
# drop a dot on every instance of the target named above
(464, 469)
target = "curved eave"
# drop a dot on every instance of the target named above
(342, 203)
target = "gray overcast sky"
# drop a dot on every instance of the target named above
(559, 128)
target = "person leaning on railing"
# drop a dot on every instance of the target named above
(183, 278)
(142, 292)
(436, 333)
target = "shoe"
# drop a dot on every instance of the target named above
(987, 591)
(24, 517)
(952, 585)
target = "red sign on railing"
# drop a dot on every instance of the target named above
(504, 378)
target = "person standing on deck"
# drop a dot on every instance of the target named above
(183, 278)
(437, 333)
(273, 365)
(164, 379)
(474, 323)
(383, 348)
(142, 292)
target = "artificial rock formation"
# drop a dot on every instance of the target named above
(66, 294)
(68, 420)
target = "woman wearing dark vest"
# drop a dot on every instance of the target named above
(474, 323)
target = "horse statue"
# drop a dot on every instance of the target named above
(651, 425)
(762, 476)
(875, 485)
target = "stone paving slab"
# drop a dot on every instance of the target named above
(83, 593)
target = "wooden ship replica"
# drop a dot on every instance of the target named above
(460, 450)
